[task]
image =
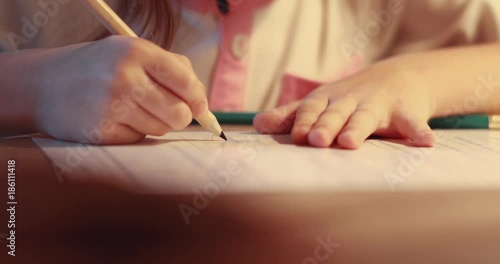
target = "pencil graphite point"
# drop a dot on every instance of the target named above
(223, 136)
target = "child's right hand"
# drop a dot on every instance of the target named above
(115, 91)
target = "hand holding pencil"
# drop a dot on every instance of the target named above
(192, 93)
(113, 91)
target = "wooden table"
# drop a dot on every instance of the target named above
(90, 223)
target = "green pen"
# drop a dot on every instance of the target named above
(466, 122)
(235, 118)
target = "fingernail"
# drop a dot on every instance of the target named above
(348, 140)
(320, 131)
(319, 137)
(201, 108)
(348, 134)
(300, 130)
(426, 139)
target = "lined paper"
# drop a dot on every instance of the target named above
(190, 162)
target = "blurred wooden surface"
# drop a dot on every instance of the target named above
(89, 223)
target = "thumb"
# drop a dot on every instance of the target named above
(417, 130)
(276, 121)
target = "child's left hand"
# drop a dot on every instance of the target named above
(384, 100)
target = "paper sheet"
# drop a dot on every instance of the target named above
(187, 162)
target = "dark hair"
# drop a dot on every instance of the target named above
(154, 20)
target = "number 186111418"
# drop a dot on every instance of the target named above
(11, 178)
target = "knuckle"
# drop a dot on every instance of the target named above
(315, 93)
(368, 112)
(312, 103)
(349, 97)
(338, 113)
(134, 49)
(306, 108)
(180, 116)
(305, 120)
(122, 73)
(185, 60)
(188, 82)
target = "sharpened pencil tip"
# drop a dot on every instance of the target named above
(223, 136)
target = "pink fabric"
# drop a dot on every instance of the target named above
(295, 88)
(228, 89)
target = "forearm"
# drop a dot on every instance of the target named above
(460, 80)
(19, 91)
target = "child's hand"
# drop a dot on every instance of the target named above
(383, 100)
(115, 91)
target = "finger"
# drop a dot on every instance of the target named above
(331, 121)
(362, 123)
(121, 134)
(416, 129)
(307, 114)
(276, 121)
(163, 105)
(140, 120)
(179, 77)
(114, 134)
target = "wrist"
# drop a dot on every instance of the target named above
(20, 85)
(410, 84)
